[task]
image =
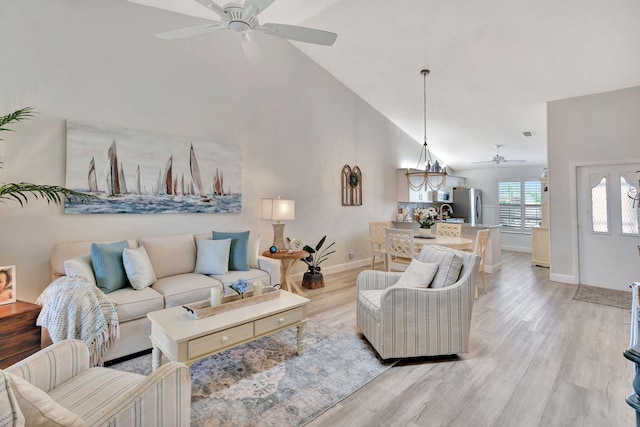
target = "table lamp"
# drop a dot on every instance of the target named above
(278, 210)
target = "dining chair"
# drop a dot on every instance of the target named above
(445, 229)
(377, 239)
(482, 240)
(400, 248)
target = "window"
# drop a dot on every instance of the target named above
(519, 202)
(599, 214)
(630, 214)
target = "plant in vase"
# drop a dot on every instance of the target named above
(426, 217)
(313, 278)
(240, 286)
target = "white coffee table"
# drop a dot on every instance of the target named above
(183, 338)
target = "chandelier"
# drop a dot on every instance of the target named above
(427, 175)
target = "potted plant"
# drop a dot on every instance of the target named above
(426, 217)
(19, 191)
(313, 278)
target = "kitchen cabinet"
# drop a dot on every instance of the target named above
(406, 194)
(452, 181)
(540, 235)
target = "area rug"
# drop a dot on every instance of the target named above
(265, 383)
(610, 297)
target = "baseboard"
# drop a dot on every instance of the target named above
(516, 248)
(492, 268)
(563, 278)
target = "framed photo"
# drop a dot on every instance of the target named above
(7, 284)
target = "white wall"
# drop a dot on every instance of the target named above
(594, 128)
(487, 180)
(98, 62)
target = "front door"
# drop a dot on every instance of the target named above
(608, 236)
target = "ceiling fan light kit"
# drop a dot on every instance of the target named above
(242, 19)
(431, 176)
(498, 159)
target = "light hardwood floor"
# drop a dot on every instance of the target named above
(537, 358)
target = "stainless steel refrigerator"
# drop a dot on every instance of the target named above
(467, 203)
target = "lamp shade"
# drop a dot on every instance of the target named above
(278, 209)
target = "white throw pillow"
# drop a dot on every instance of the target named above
(80, 266)
(138, 267)
(417, 275)
(254, 249)
(38, 408)
(213, 256)
(450, 265)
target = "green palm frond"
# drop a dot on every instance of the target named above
(21, 191)
(51, 193)
(16, 116)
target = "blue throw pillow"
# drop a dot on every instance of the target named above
(239, 253)
(108, 267)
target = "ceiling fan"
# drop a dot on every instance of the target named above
(497, 159)
(243, 19)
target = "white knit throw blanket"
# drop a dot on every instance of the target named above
(75, 308)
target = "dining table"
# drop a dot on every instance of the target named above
(460, 243)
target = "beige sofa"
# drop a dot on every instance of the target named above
(173, 259)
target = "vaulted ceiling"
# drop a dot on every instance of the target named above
(494, 64)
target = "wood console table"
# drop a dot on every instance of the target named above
(19, 335)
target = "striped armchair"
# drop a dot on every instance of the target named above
(56, 386)
(411, 322)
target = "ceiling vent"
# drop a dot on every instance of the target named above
(527, 133)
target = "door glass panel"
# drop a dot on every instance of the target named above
(627, 209)
(599, 221)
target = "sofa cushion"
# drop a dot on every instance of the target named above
(449, 265)
(106, 259)
(171, 255)
(239, 251)
(254, 250)
(138, 267)
(185, 288)
(135, 304)
(417, 275)
(213, 256)
(80, 266)
(38, 408)
(251, 275)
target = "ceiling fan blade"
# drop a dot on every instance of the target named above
(485, 161)
(301, 34)
(191, 31)
(514, 161)
(261, 5)
(209, 4)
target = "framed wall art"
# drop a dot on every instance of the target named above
(7, 284)
(351, 181)
(138, 172)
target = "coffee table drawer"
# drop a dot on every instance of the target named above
(279, 320)
(219, 340)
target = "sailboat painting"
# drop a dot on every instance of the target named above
(170, 174)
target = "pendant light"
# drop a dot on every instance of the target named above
(428, 175)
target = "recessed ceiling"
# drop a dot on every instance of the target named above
(494, 64)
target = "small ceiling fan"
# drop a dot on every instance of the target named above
(243, 19)
(497, 159)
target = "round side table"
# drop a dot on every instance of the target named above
(287, 261)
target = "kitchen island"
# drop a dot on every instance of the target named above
(493, 255)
